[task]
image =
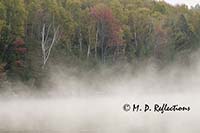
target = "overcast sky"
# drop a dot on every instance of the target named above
(187, 2)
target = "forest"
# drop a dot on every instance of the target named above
(38, 34)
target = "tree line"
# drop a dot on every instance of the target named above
(104, 31)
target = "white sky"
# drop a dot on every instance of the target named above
(187, 2)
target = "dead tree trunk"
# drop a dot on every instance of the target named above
(47, 42)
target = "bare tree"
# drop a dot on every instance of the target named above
(48, 42)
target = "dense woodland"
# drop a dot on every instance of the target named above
(36, 34)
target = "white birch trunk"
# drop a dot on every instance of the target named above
(47, 43)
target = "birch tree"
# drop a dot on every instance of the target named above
(48, 42)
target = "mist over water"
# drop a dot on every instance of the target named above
(92, 102)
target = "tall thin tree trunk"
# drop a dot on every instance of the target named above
(89, 43)
(104, 55)
(88, 52)
(102, 42)
(135, 36)
(70, 47)
(80, 42)
(96, 43)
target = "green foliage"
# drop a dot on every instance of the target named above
(149, 29)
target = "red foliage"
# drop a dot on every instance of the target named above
(19, 63)
(21, 50)
(19, 42)
(103, 15)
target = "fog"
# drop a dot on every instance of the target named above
(76, 101)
